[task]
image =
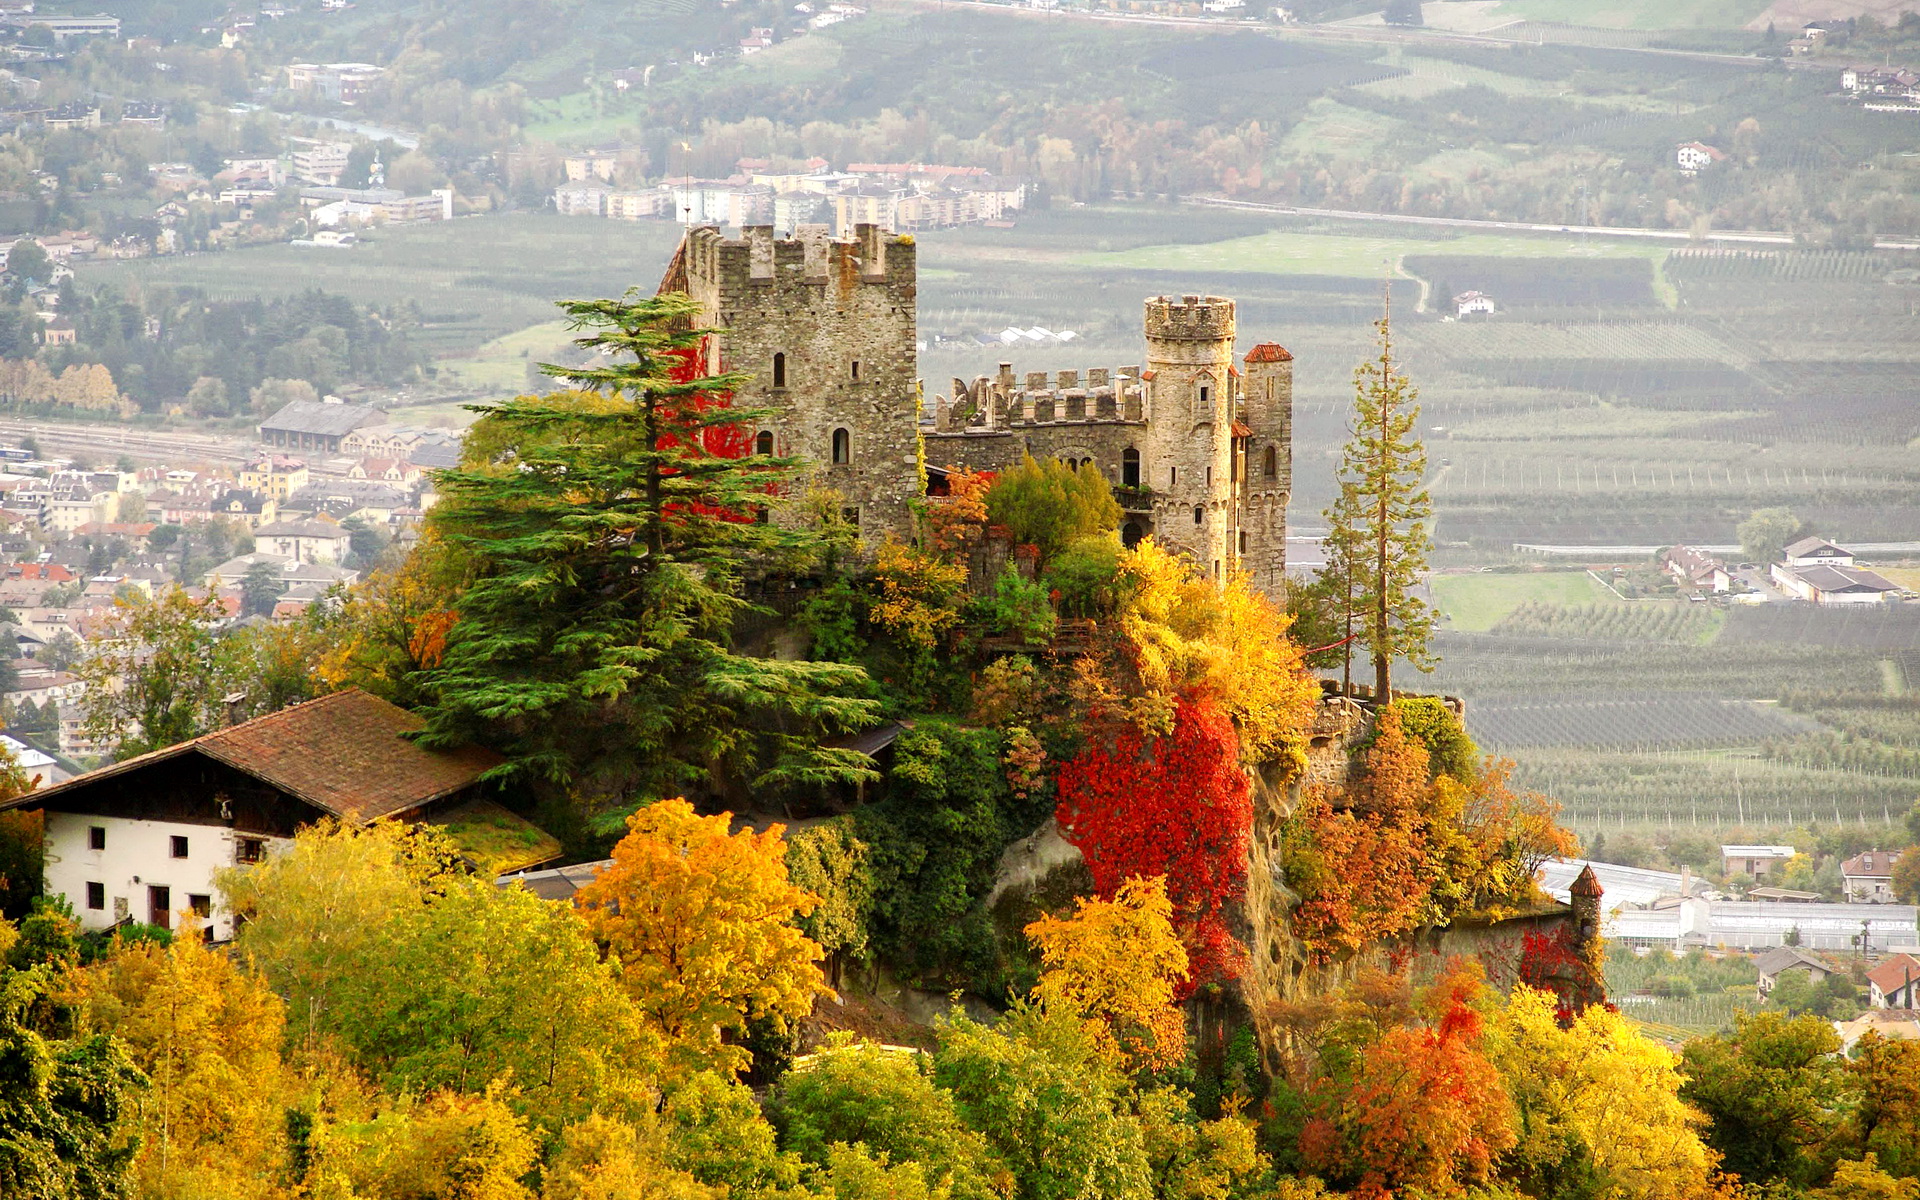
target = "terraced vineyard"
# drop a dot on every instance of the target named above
(1642, 621)
(1630, 722)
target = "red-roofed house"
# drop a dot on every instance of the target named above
(1697, 156)
(144, 839)
(1891, 984)
(1868, 876)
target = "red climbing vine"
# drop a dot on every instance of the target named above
(1177, 806)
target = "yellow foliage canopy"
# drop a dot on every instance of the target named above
(1116, 964)
(1602, 1088)
(1183, 634)
(701, 921)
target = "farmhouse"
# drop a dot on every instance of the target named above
(1891, 984)
(1868, 877)
(1698, 569)
(146, 838)
(1467, 304)
(1815, 569)
(1783, 960)
(1753, 861)
(1693, 157)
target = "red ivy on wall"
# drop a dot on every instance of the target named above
(1175, 806)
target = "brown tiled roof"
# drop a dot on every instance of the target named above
(1871, 863)
(1893, 974)
(344, 753)
(1269, 352)
(1585, 883)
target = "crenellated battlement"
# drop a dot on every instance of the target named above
(873, 256)
(997, 402)
(1190, 318)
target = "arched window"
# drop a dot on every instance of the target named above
(763, 442)
(780, 370)
(842, 447)
(1198, 513)
(1130, 534)
(1130, 468)
(1272, 460)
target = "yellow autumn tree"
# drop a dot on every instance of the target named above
(701, 921)
(1601, 1099)
(1184, 634)
(446, 1146)
(1116, 965)
(601, 1158)
(207, 1033)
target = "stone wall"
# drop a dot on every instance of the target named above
(824, 330)
(1200, 456)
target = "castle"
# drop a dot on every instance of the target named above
(1199, 452)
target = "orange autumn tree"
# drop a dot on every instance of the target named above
(1116, 965)
(701, 921)
(1406, 847)
(1421, 1110)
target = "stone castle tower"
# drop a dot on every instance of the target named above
(825, 331)
(1199, 453)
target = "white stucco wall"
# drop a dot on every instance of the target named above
(139, 855)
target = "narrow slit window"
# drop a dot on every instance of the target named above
(842, 447)
(1198, 514)
(780, 370)
(1205, 393)
(1272, 462)
(856, 370)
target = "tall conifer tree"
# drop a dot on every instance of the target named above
(1379, 525)
(605, 532)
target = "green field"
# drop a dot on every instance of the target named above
(1476, 603)
(1287, 252)
(1639, 14)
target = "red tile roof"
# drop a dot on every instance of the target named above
(344, 753)
(1269, 352)
(1870, 864)
(1891, 975)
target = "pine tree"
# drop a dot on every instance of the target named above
(1378, 526)
(604, 532)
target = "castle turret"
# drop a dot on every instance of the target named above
(1188, 455)
(1267, 465)
(824, 332)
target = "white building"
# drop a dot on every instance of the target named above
(1818, 571)
(1868, 876)
(1693, 157)
(146, 839)
(1468, 304)
(303, 541)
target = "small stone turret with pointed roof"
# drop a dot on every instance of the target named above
(1585, 893)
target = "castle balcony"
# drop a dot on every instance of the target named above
(1134, 499)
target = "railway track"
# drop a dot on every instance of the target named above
(75, 439)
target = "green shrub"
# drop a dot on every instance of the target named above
(1050, 505)
(1086, 576)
